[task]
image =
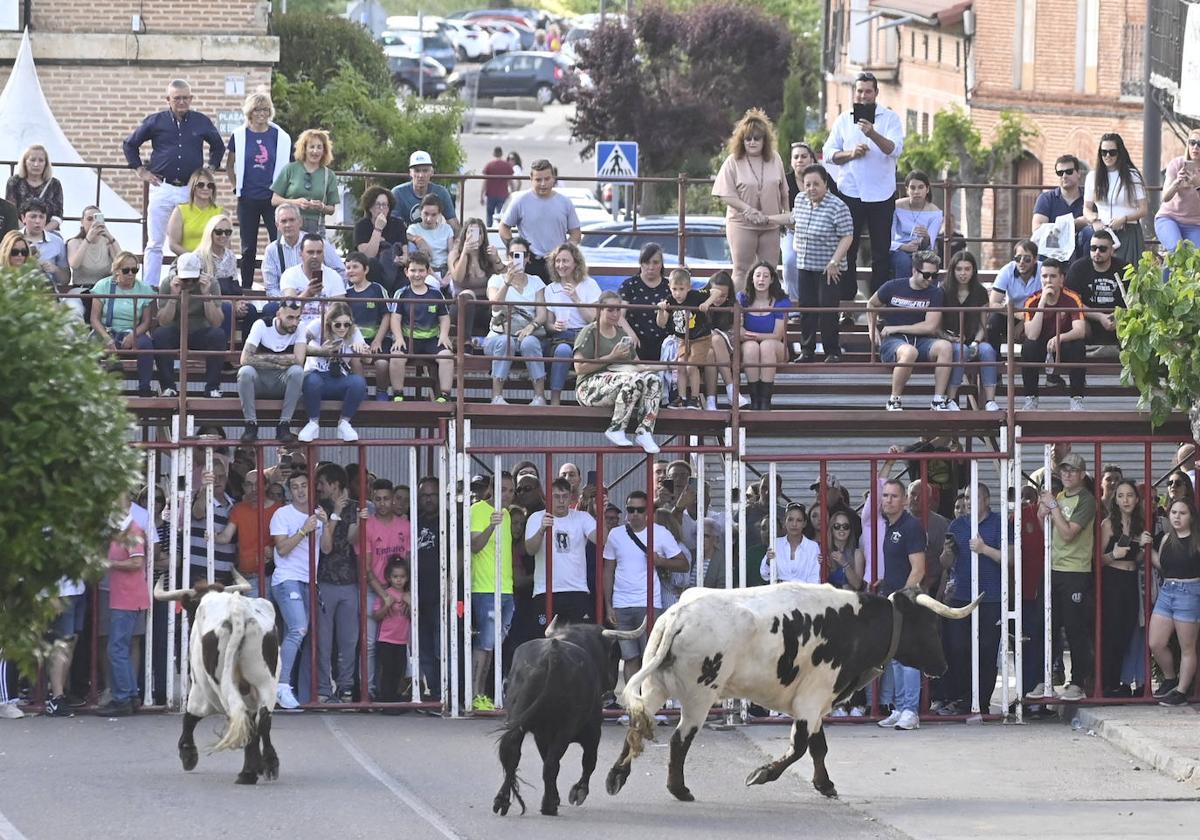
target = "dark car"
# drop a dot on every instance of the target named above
(404, 69)
(545, 76)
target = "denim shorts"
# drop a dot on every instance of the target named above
(69, 623)
(483, 617)
(1179, 600)
(892, 343)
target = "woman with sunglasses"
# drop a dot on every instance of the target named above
(307, 183)
(15, 250)
(124, 322)
(793, 557)
(91, 252)
(329, 375)
(186, 225)
(516, 330)
(1114, 199)
(1178, 216)
(220, 262)
(1177, 610)
(1016, 281)
(847, 562)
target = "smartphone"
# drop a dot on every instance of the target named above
(98, 218)
(864, 111)
(518, 259)
(1125, 541)
(591, 478)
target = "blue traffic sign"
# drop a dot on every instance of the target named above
(616, 159)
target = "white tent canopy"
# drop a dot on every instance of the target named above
(26, 119)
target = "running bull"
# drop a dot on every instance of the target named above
(234, 657)
(554, 690)
(797, 648)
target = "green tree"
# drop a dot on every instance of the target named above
(65, 460)
(313, 45)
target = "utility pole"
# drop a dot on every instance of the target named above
(1151, 115)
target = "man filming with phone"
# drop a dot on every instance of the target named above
(311, 279)
(865, 144)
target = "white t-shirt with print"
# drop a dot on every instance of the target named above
(571, 534)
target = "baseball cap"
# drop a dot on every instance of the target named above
(189, 266)
(830, 481)
(1073, 461)
(419, 158)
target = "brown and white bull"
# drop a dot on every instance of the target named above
(234, 657)
(797, 648)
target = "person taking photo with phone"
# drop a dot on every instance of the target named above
(516, 330)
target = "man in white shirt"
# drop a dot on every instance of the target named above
(270, 367)
(292, 528)
(865, 151)
(311, 279)
(284, 252)
(625, 579)
(573, 530)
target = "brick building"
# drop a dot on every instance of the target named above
(1072, 68)
(104, 66)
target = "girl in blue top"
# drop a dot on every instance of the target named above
(764, 323)
(916, 223)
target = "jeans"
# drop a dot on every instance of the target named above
(163, 200)
(989, 372)
(563, 345)
(906, 687)
(251, 211)
(1170, 232)
(350, 388)
(145, 361)
(483, 615)
(200, 338)
(124, 672)
(498, 345)
(1033, 653)
(791, 278)
(338, 617)
(291, 599)
(901, 263)
(815, 290)
(493, 207)
(876, 217)
(269, 382)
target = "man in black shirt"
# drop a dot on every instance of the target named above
(429, 590)
(1095, 281)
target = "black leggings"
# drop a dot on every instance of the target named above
(391, 666)
(1118, 616)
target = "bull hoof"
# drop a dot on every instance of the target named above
(616, 780)
(189, 757)
(270, 769)
(826, 789)
(578, 794)
(247, 778)
(500, 806)
(550, 809)
(682, 793)
(760, 776)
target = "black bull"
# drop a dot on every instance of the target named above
(554, 690)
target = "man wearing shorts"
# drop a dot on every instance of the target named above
(62, 635)
(625, 579)
(488, 524)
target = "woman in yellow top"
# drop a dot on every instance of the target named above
(753, 184)
(186, 225)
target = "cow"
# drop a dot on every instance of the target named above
(554, 690)
(794, 647)
(234, 657)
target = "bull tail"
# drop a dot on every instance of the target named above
(239, 728)
(658, 648)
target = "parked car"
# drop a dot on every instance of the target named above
(573, 40)
(517, 24)
(505, 37)
(663, 230)
(412, 73)
(545, 76)
(471, 41)
(427, 43)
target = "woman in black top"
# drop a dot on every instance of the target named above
(1123, 534)
(382, 237)
(1177, 610)
(647, 288)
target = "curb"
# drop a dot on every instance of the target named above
(1141, 746)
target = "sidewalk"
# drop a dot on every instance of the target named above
(1167, 739)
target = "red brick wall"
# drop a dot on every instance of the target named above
(230, 17)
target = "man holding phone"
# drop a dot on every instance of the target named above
(865, 143)
(311, 279)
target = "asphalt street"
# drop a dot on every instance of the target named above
(357, 775)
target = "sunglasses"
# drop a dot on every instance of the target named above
(307, 183)
(128, 270)
(1108, 152)
(635, 509)
(841, 526)
(1176, 483)
(1099, 248)
(342, 325)
(1195, 144)
(289, 304)
(755, 138)
(1023, 258)
(1063, 172)
(19, 252)
(928, 275)
(222, 231)
(205, 185)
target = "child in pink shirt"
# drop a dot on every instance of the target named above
(395, 624)
(129, 599)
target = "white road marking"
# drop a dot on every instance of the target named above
(398, 789)
(8, 831)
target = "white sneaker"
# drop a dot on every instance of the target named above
(908, 720)
(943, 404)
(710, 403)
(11, 711)
(894, 404)
(285, 698)
(538, 400)
(991, 405)
(743, 401)
(857, 711)
(1039, 693)
(891, 720)
(1030, 404)
(1070, 693)
(839, 712)
(309, 432)
(646, 441)
(623, 720)
(1077, 404)
(345, 431)
(499, 401)
(617, 436)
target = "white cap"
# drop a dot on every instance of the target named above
(189, 266)
(419, 158)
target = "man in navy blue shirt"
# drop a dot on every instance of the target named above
(177, 136)
(903, 568)
(956, 635)
(1066, 198)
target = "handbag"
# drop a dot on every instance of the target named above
(521, 318)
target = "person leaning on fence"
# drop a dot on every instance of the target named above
(1054, 338)
(129, 602)
(516, 330)
(124, 322)
(265, 149)
(910, 332)
(692, 331)
(204, 325)
(607, 373)
(333, 370)
(491, 536)
(961, 287)
(1177, 609)
(904, 559)
(421, 327)
(793, 557)
(371, 311)
(824, 229)
(271, 366)
(338, 588)
(34, 178)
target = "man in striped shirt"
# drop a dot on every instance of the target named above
(224, 554)
(824, 230)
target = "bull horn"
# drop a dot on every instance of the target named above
(241, 584)
(931, 603)
(161, 594)
(625, 634)
(553, 626)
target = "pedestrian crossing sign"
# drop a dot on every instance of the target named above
(616, 159)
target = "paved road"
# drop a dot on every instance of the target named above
(369, 776)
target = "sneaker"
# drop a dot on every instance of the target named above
(833, 358)
(11, 711)
(345, 697)
(692, 403)
(894, 404)
(250, 433)
(538, 400)
(284, 433)
(1174, 697)
(213, 393)
(891, 720)
(397, 398)
(710, 403)
(1030, 404)
(328, 700)
(948, 710)
(646, 441)
(1039, 693)
(169, 393)
(483, 703)
(115, 709)
(991, 405)
(839, 712)
(1077, 404)
(1070, 693)
(105, 697)
(309, 432)
(618, 437)
(57, 707)
(743, 401)
(499, 401)
(1056, 379)
(442, 398)
(345, 431)
(943, 404)
(908, 720)
(286, 698)
(858, 711)
(1165, 688)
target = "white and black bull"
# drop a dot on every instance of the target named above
(554, 690)
(793, 647)
(234, 657)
